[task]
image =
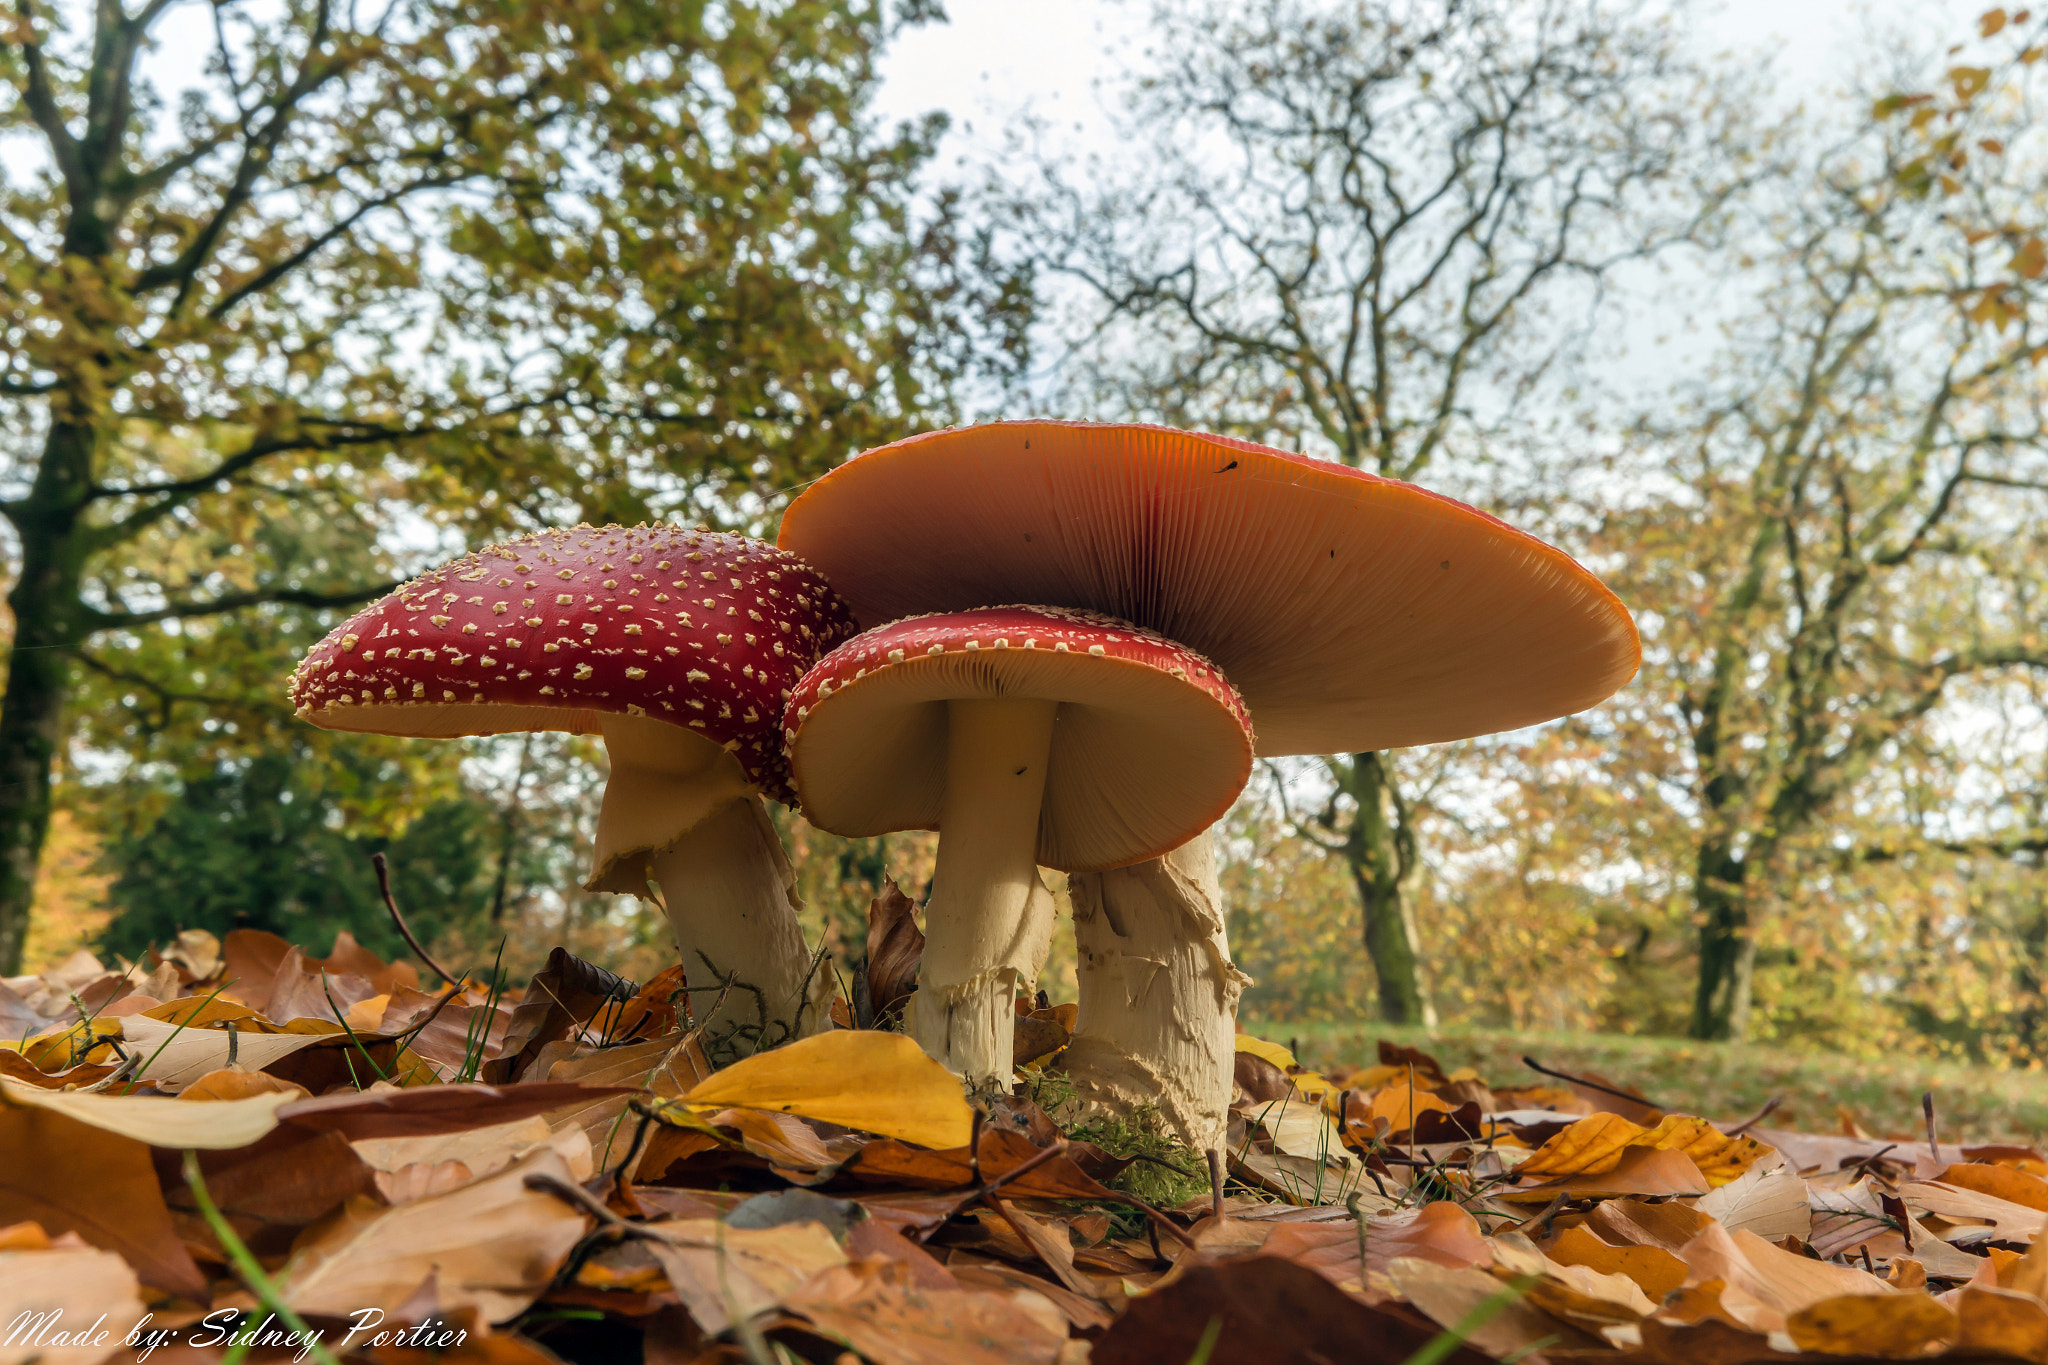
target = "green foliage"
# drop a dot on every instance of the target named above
(263, 845)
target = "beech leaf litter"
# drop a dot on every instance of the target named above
(241, 1151)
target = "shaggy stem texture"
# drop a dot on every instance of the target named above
(1158, 993)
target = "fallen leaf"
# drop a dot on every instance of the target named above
(1263, 1311)
(492, 1245)
(72, 1177)
(1771, 1204)
(1654, 1172)
(1894, 1326)
(428, 1110)
(233, 1083)
(178, 1055)
(877, 1308)
(876, 1082)
(2001, 1321)
(1656, 1270)
(1973, 1217)
(895, 949)
(722, 1272)
(1766, 1284)
(89, 1298)
(152, 1119)
(2001, 1182)
(1448, 1294)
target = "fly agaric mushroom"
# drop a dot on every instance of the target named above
(679, 647)
(1028, 737)
(1352, 612)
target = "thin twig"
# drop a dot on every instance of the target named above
(405, 930)
(1535, 1065)
(1927, 1108)
(1770, 1108)
(1215, 1183)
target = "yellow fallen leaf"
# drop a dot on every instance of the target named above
(1893, 1325)
(1720, 1158)
(1399, 1107)
(199, 1011)
(857, 1078)
(1591, 1146)
(219, 1126)
(1272, 1052)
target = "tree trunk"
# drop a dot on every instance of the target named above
(1727, 949)
(1381, 853)
(47, 621)
(1159, 993)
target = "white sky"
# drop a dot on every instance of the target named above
(998, 56)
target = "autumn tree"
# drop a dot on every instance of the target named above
(1850, 564)
(387, 278)
(1369, 232)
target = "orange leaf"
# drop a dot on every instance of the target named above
(2001, 1182)
(1872, 1324)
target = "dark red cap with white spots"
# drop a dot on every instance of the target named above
(1151, 744)
(705, 631)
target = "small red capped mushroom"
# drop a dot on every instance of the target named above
(1026, 736)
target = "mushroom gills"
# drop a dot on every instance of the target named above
(988, 923)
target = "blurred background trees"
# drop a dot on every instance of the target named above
(367, 291)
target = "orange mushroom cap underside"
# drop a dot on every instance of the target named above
(1352, 612)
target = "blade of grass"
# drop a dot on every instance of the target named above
(335, 1005)
(175, 1031)
(1483, 1312)
(247, 1266)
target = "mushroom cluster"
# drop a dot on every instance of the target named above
(1350, 612)
(680, 648)
(1076, 639)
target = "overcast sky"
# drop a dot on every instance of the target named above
(995, 56)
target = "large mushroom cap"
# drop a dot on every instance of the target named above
(555, 631)
(1150, 747)
(1352, 612)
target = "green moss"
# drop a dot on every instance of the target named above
(1164, 1172)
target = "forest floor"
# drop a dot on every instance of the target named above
(1816, 1089)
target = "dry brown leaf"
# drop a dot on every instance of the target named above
(1634, 1222)
(491, 1245)
(2001, 1321)
(1765, 1284)
(1591, 1146)
(479, 1151)
(1771, 1204)
(288, 1177)
(777, 1138)
(719, 1272)
(895, 949)
(234, 1083)
(72, 1177)
(1893, 1326)
(1966, 1216)
(1645, 1172)
(424, 1111)
(876, 1308)
(88, 1298)
(1656, 1270)
(1269, 1311)
(1448, 1294)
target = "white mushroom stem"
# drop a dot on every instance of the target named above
(988, 924)
(679, 812)
(731, 899)
(1158, 993)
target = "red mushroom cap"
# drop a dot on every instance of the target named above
(705, 631)
(1150, 747)
(1353, 612)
